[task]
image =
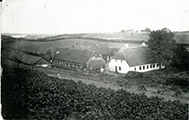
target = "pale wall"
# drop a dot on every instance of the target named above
(125, 67)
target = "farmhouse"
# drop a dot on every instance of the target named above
(132, 59)
(78, 60)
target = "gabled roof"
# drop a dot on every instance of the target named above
(42, 61)
(77, 56)
(30, 59)
(133, 56)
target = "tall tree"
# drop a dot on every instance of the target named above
(162, 46)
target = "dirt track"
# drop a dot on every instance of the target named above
(99, 82)
(106, 80)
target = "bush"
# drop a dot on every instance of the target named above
(123, 83)
(132, 74)
(28, 94)
(142, 88)
(180, 82)
(178, 93)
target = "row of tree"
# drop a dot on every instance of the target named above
(165, 50)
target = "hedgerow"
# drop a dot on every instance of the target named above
(28, 94)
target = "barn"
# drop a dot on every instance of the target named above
(132, 59)
(32, 60)
(77, 59)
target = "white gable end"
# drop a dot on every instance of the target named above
(119, 66)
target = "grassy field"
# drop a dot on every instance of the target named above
(38, 46)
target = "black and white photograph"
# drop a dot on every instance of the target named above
(94, 59)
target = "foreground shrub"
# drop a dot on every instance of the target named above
(32, 95)
(183, 83)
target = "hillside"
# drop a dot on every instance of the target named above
(182, 38)
(114, 37)
(121, 37)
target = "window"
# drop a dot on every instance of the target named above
(157, 65)
(119, 68)
(150, 66)
(143, 67)
(153, 65)
(147, 66)
(140, 68)
(134, 68)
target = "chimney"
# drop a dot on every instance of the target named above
(126, 45)
(143, 44)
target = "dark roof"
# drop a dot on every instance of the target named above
(42, 61)
(77, 56)
(133, 56)
(30, 59)
(48, 55)
(100, 49)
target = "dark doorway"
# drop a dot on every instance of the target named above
(116, 69)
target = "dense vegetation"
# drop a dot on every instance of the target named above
(169, 79)
(28, 94)
(165, 50)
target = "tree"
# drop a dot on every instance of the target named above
(147, 30)
(180, 59)
(162, 46)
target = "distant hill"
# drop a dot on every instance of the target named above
(117, 36)
(39, 36)
(181, 37)
(181, 31)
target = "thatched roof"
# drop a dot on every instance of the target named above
(77, 56)
(133, 56)
(96, 63)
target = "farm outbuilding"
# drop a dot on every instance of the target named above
(132, 59)
(96, 64)
(77, 59)
(32, 60)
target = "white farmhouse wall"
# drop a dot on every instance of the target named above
(146, 67)
(121, 66)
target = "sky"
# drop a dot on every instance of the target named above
(93, 16)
